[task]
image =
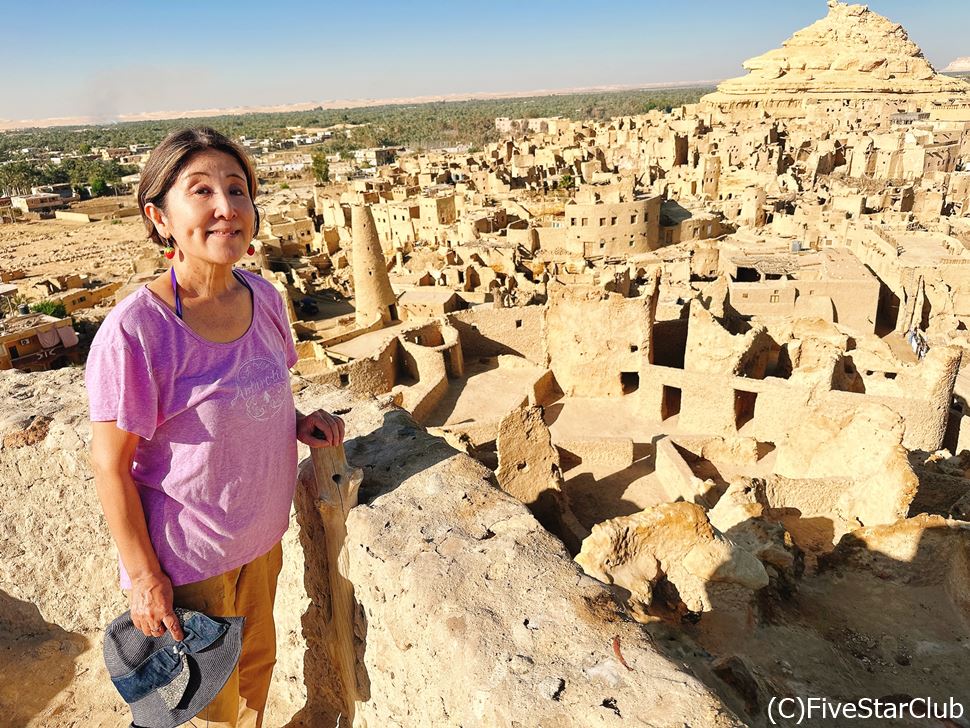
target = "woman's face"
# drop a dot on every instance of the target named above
(208, 210)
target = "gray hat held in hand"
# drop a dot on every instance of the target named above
(167, 683)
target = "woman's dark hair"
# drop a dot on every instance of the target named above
(170, 157)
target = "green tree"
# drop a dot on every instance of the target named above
(51, 308)
(77, 172)
(321, 168)
(55, 174)
(19, 176)
(98, 185)
(415, 125)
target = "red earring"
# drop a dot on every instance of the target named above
(168, 251)
(252, 249)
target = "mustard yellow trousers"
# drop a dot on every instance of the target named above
(247, 591)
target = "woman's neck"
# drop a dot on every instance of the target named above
(202, 280)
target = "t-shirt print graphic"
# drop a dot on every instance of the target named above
(261, 386)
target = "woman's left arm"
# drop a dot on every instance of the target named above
(319, 429)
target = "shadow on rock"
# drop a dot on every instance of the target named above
(884, 616)
(391, 454)
(37, 660)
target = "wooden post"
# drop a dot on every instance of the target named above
(337, 486)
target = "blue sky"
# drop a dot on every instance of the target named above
(109, 57)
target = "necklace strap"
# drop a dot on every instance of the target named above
(175, 291)
(175, 288)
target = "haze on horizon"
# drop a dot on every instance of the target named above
(114, 58)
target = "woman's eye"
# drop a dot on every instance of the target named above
(236, 191)
(202, 191)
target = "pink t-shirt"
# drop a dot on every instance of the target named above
(216, 463)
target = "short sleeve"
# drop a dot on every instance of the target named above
(121, 387)
(291, 356)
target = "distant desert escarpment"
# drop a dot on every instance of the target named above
(959, 65)
(9, 124)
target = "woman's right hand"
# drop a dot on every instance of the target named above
(152, 606)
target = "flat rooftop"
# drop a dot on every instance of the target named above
(831, 264)
(924, 248)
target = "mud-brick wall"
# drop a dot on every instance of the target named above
(924, 420)
(598, 346)
(921, 393)
(375, 374)
(716, 404)
(427, 365)
(489, 332)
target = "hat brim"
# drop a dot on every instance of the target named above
(209, 670)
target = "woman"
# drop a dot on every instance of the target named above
(194, 428)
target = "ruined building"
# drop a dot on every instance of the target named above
(658, 418)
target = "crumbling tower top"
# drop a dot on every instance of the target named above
(373, 296)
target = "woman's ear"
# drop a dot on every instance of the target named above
(154, 213)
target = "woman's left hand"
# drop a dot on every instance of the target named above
(320, 429)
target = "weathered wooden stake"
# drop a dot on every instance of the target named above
(337, 486)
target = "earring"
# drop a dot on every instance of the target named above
(252, 249)
(169, 251)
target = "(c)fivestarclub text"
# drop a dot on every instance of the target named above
(796, 710)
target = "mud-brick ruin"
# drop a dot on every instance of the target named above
(656, 419)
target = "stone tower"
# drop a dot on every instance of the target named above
(373, 296)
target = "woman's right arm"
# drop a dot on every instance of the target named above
(112, 453)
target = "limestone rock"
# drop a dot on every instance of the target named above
(744, 498)
(720, 560)
(921, 551)
(743, 514)
(469, 612)
(850, 53)
(469, 579)
(529, 470)
(675, 541)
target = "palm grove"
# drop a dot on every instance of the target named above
(418, 126)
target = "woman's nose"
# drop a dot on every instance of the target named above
(224, 206)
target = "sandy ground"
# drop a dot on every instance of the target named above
(845, 635)
(487, 393)
(47, 248)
